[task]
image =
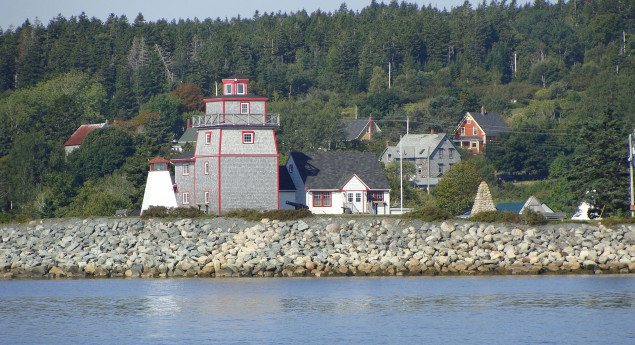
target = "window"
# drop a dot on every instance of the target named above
(248, 137)
(206, 168)
(350, 197)
(451, 154)
(469, 121)
(473, 144)
(208, 138)
(358, 197)
(440, 169)
(186, 169)
(419, 170)
(240, 89)
(475, 131)
(462, 130)
(186, 198)
(321, 199)
(376, 196)
(389, 157)
(441, 153)
(228, 89)
(207, 197)
(291, 168)
(244, 108)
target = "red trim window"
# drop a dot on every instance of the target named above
(376, 196)
(206, 168)
(228, 89)
(186, 198)
(248, 137)
(321, 199)
(207, 197)
(186, 169)
(208, 138)
(244, 108)
(240, 89)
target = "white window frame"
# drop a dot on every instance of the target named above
(244, 108)
(474, 131)
(250, 135)
(206, 168)
(240, 86)
(228, 89)
(469, 121)
(186, 169)
(462, 131)
(186, 198)
(207, 197)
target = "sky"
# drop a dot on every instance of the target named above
(16, 12)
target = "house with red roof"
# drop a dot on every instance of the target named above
(77, 139)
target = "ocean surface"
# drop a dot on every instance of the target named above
(390, 310)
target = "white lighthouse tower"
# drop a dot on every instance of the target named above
(159, 189)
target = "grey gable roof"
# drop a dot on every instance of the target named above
(491, 123)
(189, 136)
(354, 128)
(332, 170)
(185, 155)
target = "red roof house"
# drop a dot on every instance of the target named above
(80, 134)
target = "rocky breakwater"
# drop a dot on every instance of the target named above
(223, 247)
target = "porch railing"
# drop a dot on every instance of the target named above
(209, 120)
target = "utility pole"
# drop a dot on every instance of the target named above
(401, 174)
(428, 174)
(630, 167)
(389, 72)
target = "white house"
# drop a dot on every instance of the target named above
(339, 182)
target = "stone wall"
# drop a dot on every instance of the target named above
(320, 246)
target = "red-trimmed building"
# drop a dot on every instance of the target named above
(235, 161)
(475, 129)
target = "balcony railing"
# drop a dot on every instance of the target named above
(209, 120)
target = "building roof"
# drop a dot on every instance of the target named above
(185, 156)
(285, 182)
(158, 159)
(491, 123)
(189, 136)
(332, 170)
(510, 206)
(417, 145)
(80, 134)
(354, 129)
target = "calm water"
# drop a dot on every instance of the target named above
(422, 310)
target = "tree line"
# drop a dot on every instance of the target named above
(548, 69)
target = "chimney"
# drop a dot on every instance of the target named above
(370, 128)
(431, 130)
(387, 143)
(483, 111)
(189, 123)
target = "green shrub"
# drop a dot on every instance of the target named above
(178, 212)
(6, 218)
(496, 217)
(608, 222)
(282, 215)
(530, 217)
(429, 214)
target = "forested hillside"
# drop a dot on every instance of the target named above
(561, 75)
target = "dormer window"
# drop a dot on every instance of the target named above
(240, 89)
(228, 89)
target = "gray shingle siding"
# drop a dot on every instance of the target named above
(249, 182)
